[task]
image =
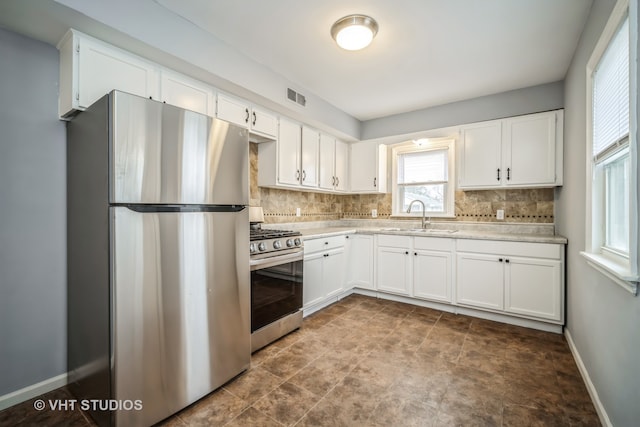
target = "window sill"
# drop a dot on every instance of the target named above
(615, 271)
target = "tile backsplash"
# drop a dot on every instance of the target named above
(530, 205)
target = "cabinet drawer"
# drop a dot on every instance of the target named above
(394, 241)
(316, 245)
(434, 243)
(537, 250)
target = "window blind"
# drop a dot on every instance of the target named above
(611, 95)
(422, 167)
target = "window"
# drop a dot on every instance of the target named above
(612, 172)
(423, 173)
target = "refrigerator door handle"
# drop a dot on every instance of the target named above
(182, 208)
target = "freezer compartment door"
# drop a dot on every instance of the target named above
(181, 307)
(162, 154)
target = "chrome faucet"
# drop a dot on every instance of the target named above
(424, 212)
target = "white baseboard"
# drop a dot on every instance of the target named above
(602, 413)
(32, 391)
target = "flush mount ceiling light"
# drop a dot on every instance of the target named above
(354, 32)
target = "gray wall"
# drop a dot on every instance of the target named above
(32, 215)
(602, 318)
(516, 102)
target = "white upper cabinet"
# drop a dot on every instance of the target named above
(89, 69)
(341, 169)
(480, 155)
(327, 162)
(530, 150)
(289, 154)
(519, 152)
(184, 92)
(368, 168)
(259, 122)
(333, 163)
(310, 156)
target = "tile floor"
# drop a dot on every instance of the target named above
(370, 362)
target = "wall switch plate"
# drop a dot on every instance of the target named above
(374, 213)
(500, 214)
(298, 212)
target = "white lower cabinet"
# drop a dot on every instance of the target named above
(324, 270)
(525, 279)
(509, 280)
(359, 250)
(419, 267)
(534, 287)
(433, 268)
(480, 281)
(393, 264)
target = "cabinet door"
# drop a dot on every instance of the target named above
(393, 271)
(530, 149)
(310, 152)
(533, 287)
(186, 93)
(341, 165)
(327, 161)
(363, 167)
(360, 261)
(432, 275)
(233, 110)
(312, 283)
(480, 156)
(333, 272)
(264, 123)
(289, 153)
(480, 280)
(102, 69)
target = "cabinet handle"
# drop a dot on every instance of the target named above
(346, 237)
(499, 259)
(498, 174)
(506, 260)
(406, 252)
(337, 181)
(298, 174)
(326, 243)
(254, 119)
(304, 174)
(246, 119)
(333, 181)
(374, 181)
(415, 253)
(508, 174)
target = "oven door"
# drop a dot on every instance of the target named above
(276, 288)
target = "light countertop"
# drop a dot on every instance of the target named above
(439, 232)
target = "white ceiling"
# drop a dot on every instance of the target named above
(426, 53)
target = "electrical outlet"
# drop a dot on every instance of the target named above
(374, 213)
(500, 214)
(298, 212)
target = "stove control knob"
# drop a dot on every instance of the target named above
(277, 244)
(297, 241)
(252, 247)
(290, 243)
(262, 247)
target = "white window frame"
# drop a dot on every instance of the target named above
(622, 270)
(432, 145)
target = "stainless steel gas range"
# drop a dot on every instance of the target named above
(276, 259)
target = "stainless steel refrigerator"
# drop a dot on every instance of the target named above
(158, 259)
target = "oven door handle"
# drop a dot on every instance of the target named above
(276, 260)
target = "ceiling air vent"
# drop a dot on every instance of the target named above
(296, 97)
